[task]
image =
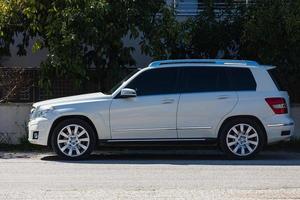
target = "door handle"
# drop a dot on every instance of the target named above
(167, 101)
(223, 97)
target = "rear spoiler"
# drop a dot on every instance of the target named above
(268, 67)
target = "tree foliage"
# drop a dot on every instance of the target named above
(267, 31)
(78, 34)
(89, 33)
(213, 33)
(271, 35)
(272, 32)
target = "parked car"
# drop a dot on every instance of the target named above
(231, 103)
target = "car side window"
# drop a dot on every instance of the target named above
(204, 79)
(155, 82)
(242, 79)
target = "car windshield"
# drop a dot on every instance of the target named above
(113, 89)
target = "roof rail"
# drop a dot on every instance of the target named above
(269, 67)
(203, 61)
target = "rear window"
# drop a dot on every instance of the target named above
(203, 79)
(273, 73)
(214, 79)
(241, 79)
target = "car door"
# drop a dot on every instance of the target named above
(206, 97)
(152, 113)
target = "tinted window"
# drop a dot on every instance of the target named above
(274, 74)
(204, 79)
(155, 81)
(241, 79)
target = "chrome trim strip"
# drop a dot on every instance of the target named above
(143, 129)
(162, 129)
(194, 127)
(280, 124)
(157, 140)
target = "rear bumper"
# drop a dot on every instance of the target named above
(281, 129)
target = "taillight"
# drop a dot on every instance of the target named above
(278, 105)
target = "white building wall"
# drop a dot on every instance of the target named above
(31, 60)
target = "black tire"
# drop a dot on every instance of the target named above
(89, 132)
(227, 131)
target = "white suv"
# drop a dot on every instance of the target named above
(235, 104)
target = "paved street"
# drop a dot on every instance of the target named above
(149, 176)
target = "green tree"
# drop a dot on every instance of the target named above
(212, 33)
(78, 34)
(215, 32)
(272, 36)
(164, 37)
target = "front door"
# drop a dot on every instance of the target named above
(152, 113)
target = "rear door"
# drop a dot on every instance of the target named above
(206, 97)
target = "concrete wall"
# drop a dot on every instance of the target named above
(14, 118)
(13, 122)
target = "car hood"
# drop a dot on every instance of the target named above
(71, 99)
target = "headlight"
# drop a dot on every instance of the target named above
(41, 112)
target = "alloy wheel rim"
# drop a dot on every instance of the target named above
(242, 139)
(73, 140)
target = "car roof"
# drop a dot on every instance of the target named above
(207, 62)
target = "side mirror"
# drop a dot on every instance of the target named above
(127, 92)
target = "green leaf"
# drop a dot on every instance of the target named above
(37, 45)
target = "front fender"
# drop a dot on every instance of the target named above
(96, 112)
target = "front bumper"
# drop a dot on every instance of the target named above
(39, 127)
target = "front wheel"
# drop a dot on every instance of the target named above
(73, 139)
(242, 138)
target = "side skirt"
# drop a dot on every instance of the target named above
(161, 142)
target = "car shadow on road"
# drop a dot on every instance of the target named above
(183, 158)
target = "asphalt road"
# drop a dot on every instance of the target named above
(132, 175)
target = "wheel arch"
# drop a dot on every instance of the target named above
(244, 117)
(62, 118)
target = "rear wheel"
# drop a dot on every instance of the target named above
(73, 139)
(242, 138)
